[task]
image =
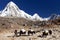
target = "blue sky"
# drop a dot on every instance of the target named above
(43, 7)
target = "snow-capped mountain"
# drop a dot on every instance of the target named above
(54, 16)
(12, 10)
(36, 17)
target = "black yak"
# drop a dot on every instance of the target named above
(31, 32)
(22, 31)
(45, 33)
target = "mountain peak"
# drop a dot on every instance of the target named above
(11, 3)
(35, 14)
(11, 10)
(37, 17)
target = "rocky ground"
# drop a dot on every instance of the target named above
(8, 35)
(8, 26)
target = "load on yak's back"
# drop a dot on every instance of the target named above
(45, 33)
(30, 32)
(23, 32)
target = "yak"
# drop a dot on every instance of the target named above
(45, 33)
(31, 32)
(22, 31)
